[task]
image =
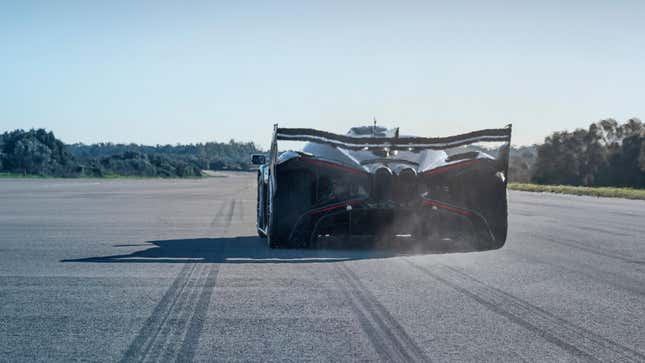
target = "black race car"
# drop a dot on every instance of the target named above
(374, 183)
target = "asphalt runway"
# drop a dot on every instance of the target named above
(163, 270)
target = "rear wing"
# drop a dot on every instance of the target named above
(392, 143)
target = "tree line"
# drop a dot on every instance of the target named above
(607, 153)
(39, 152)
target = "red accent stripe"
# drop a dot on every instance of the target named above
(443, 206)
(450, 167)
(334, 206)
(332, 165)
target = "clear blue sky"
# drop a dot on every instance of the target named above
(167, 72)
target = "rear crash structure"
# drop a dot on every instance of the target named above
(373, 183)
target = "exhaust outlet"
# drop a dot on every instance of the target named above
(382, 183)
(406, 186)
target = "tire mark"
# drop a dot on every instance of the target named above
(229, 214)
(218, 214)
(163, 345)
(157, 341)
(387, 336)
(574, 339)
(158, 347)
(375, 336)
(523, 214)
(140, 345)
(575, 244)
(618, 281)
(191, 340)
(225, 213)
(177, 319)
(599, 230)
(626, 214)
(241, 208)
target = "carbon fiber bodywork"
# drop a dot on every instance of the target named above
(377, 185)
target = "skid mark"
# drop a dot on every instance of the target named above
(576, 340)
(163, 344)
(218, 214)
(225, 213)
(241, 210)
(172, 331)
(386, 335)
(191, 340)
(615, 280)
(612, 233)
(230, 212)
(581, 246)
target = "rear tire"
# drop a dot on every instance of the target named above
(277, 235)
(271, 235)
(273, 241)
(260, 207)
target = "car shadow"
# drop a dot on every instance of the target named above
(249, 249)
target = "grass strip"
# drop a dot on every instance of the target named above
(609, 192)
(4, 175)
